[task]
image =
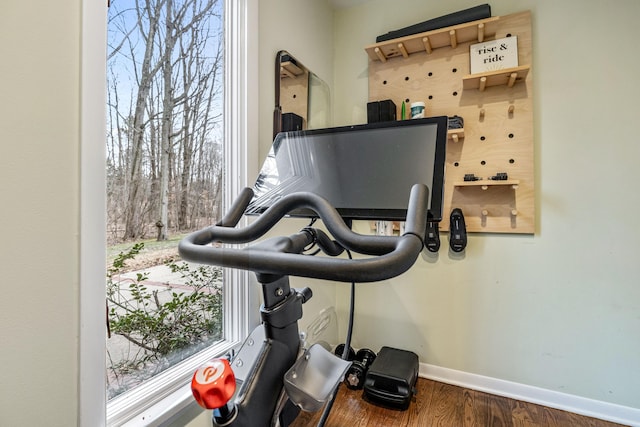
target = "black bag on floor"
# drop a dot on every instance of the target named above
(391, 378)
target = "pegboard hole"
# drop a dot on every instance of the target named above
(295, 96)
(430, 74)
(430, 96)
(456, 164)
(406, 79)
(482, 138)
(406, 100)
(508, 34)
(384, 82)
(455, 93)
(483, 163)
(512, 161)
(510, 135)
(455, 70)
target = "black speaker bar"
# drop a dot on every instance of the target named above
(472, 14)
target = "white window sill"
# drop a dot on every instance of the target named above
(155, 404)
(178, 405)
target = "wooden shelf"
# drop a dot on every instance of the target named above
(475, 31)
(455, 134)
(486, 183)
(289, 69)
(506, 77)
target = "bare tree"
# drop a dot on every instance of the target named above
(174, 57)
(150, 14)
(198, 117)
(167, 114)
(183, 24)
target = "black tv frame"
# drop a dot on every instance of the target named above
(436, 187)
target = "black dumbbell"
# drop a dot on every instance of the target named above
(356, 373)
(340, 349)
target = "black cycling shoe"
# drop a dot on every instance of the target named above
(457, 231)
(432, 240)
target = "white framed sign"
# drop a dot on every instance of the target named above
(494, 55)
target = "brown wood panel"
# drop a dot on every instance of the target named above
(444, 405)
(498, 123)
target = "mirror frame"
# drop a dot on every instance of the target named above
(310, 97)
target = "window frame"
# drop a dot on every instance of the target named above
(168, 395)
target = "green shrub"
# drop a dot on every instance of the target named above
(153, 328)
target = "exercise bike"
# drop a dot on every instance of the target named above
(271, 378)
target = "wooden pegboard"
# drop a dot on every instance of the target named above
(497, 109)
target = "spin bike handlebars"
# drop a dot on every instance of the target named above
(393, 255)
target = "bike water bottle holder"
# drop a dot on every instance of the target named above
(311, 381)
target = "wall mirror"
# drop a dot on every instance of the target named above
(302, 98)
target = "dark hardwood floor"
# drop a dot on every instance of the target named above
(444, 405)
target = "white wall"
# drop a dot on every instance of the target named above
(304, 28)
(560, 309)
(39, 219)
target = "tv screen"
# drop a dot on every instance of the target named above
(364, 171)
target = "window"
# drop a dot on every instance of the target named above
(153, 401)
(165, 165)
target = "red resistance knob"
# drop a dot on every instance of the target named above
(213, 384)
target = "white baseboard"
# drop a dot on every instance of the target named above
(553, 399)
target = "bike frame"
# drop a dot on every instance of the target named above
(260, 399)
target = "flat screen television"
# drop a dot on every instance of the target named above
(365, 171)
